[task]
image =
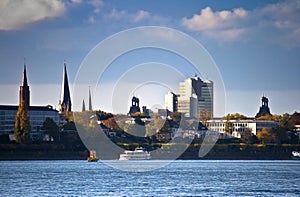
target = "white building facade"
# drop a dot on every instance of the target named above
(237, 127)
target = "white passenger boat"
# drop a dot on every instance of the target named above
(296, 155)
(138, 154)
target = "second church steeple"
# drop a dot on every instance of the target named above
(65, 104)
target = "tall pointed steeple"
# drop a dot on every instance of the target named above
(90, 101)
(65, 97)
(24, 90)
(83, 105)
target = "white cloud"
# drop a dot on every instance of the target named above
(91, 19)
(16, 14)
(208, 19)
(96, 3)
(140, 15)
(116, 14)
(76, 1)
(282, 19)
(132, 17)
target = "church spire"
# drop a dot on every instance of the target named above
(90, 101)
(24, 90)
(83, 105)
(24, 78)
(65, 97)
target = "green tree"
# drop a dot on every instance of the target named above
(284, 121)
(22, 126)
(69, 126)
(51, 128)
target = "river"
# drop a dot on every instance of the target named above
(179, 178)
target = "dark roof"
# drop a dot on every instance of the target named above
(31, 108)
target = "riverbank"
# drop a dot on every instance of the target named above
(218, 152)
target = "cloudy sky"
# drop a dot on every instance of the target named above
(255, 45)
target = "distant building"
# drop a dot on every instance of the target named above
(65, 104)
(264, 109)
(237, 127)
(146, 112)
(36, 114)
(195, 96)
(171, 102)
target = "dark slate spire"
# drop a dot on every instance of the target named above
(24, 90)
(65, 97)
(83, 105)
(90, 101)
(24, 78)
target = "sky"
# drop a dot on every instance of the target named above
(254, 44)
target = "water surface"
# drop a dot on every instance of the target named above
(180, 178)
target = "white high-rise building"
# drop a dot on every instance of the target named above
(171, 102)
(195, 96)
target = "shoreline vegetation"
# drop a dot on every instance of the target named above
(68, 144)
(232, 151)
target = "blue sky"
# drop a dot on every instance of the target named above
(255, 44)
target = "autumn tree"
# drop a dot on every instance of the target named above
(22, 126)
(204, 117)
(112, 124)
(294, 120)
(267, 136)
(177, 117)
(228, 125)
(248, 137)
(235, 116)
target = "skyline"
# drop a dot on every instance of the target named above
(254, 44)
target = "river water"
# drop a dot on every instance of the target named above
(179, 178)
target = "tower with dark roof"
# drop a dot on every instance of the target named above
(264, 109)
(24, 90)
(135, 102)
(65, 104)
